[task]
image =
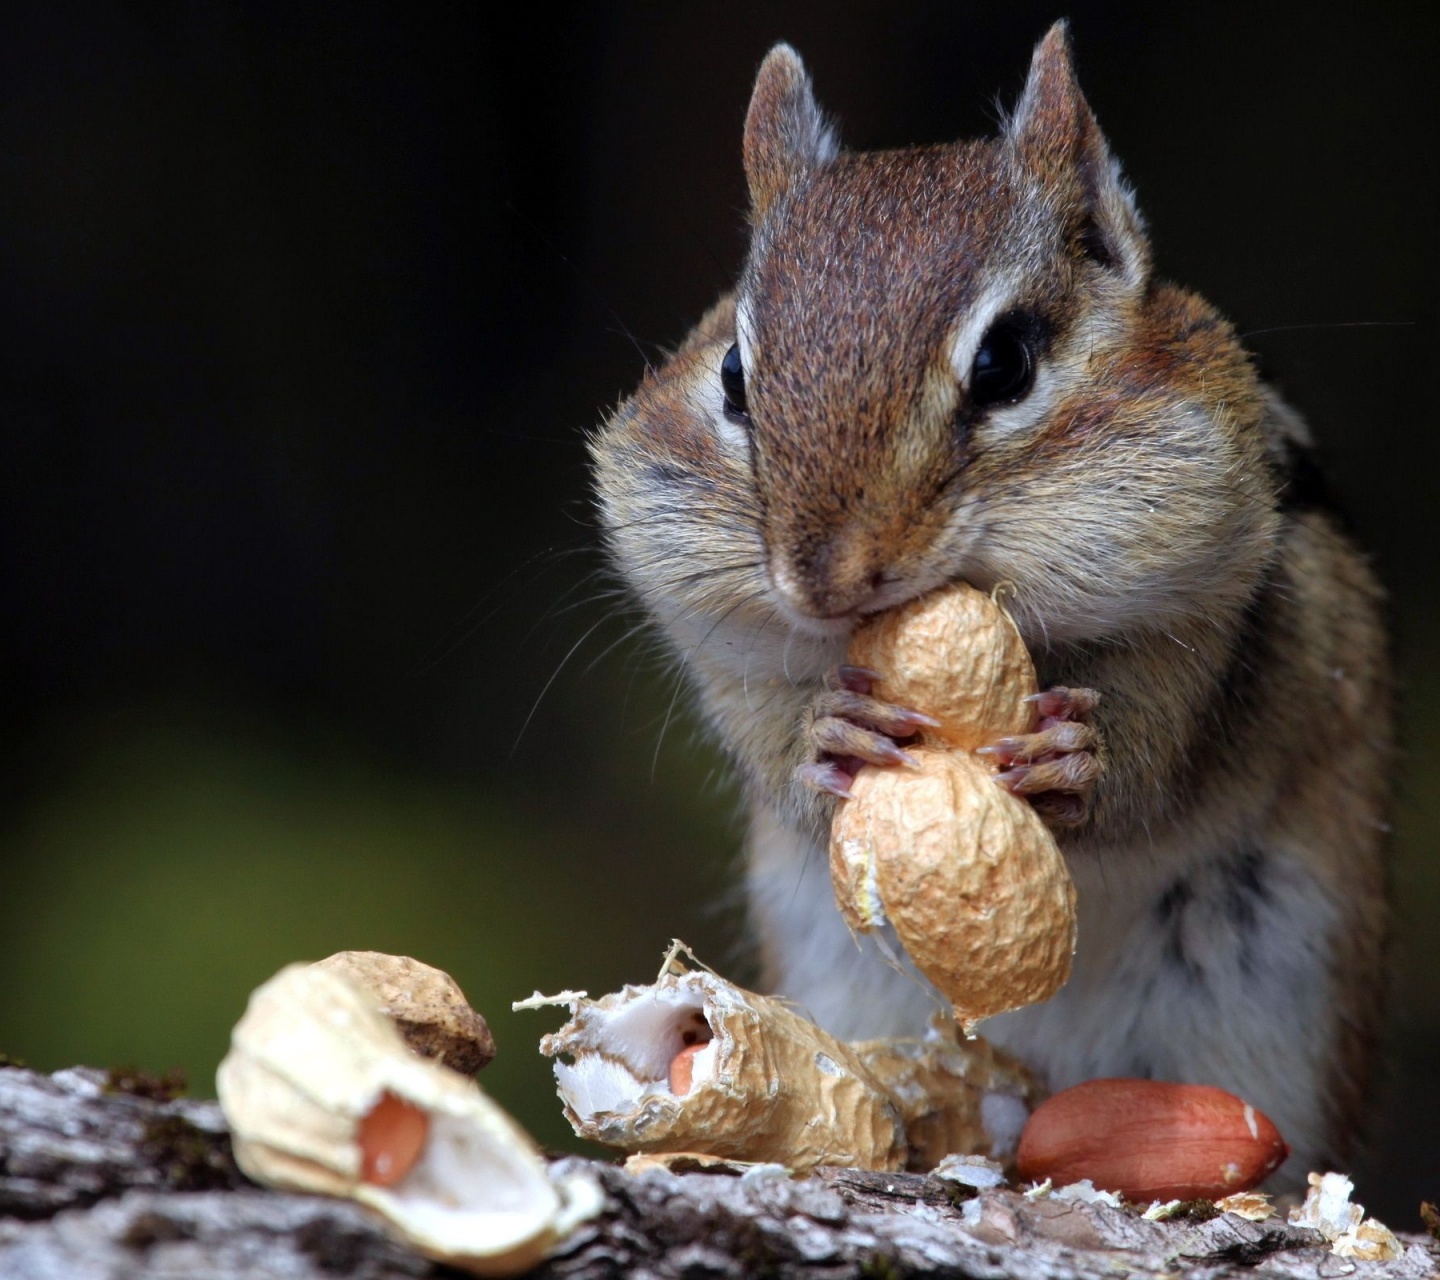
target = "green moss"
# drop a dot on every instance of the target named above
(189, 1158)
(1197, 1211)
(145, 1084)
(1430, 1216)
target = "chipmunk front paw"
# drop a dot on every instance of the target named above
(1057, 766)
(847, 728)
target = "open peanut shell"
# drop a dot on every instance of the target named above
(322, 1095)
(692, 1063)
(764, 1082)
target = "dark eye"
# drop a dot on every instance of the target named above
(732, 382)
(1004, 368)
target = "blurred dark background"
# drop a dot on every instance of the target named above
(305, 313)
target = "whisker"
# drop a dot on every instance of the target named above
(468, 624)
(629, 633)
(1339, 324)
(624, 330)
(669, 712)
(570, 653)
(533, 227)
(695, 649)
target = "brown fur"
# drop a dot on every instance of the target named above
(1232, 898)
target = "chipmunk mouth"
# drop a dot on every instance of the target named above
(837, 615)
(827, 575)
(824, 628)
(826, 581)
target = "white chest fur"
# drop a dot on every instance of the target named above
(1173, 972)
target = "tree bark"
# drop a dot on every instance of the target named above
(101, 1183)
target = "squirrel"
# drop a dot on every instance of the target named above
(954, 363)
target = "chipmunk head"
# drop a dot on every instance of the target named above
(948, 362)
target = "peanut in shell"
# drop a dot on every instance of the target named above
(955, 655)
(968, 875)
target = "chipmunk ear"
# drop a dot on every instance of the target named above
(1053, 133)
(786, 133)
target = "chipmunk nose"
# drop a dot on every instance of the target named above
(830, 577)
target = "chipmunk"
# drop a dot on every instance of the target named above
(955, 363)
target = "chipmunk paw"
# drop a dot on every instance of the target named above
(848, 728)
(1056, 767)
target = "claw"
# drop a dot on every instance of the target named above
(918, 718)
(1074, 774)
(895, 755)
(854, 679)
(1057, 738)
(1011, 779)
(841, 740)
(1065, 704)
(868, 714)
(850, 728)
(827, 777)
(1056, 767)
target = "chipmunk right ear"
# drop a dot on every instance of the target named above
(1054, 133)
(785, 131)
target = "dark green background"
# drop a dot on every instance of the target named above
(305, 312)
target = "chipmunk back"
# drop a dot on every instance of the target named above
(955, 362)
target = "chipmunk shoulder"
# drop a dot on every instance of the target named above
(957, 363)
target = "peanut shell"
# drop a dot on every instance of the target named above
(694, 1064)
(322, 1095)
(425, 1004)
(766, 1084)
(955, 655)
(966, 874)
(955, 1096)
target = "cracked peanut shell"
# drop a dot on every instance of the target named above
(426, 1005)
(760, 1082)
(698, 1068)
(322, 1095)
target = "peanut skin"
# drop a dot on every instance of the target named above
(1150, 1140)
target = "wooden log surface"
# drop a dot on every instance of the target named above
(115, 1179)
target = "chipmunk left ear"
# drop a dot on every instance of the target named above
(786, 133)
(1054, 135)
